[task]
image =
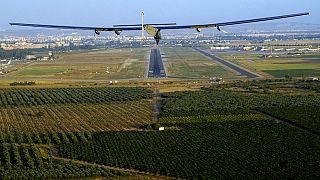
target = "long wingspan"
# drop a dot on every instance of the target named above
(161, 27)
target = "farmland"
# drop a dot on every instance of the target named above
(115, 116)
(74, 109)
(305, 65)
(184, 62)
(219, 131)
(32, 120)
(294, 73)
(240, 149)
(26, 162)
(277, 98)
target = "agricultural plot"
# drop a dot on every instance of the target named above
(216, 103)
(72, 117)
(48, 138)
(294, 73)
(212, 118)
(222, 150)
(91, 65)
(26, 162)
(34, 120)
(186, 63)
(307, 116)
(279, 66)
(20, 97)
(74, 109)
(218, 133)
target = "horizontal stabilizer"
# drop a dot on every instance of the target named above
(155, 24)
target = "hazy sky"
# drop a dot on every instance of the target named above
(106, 12)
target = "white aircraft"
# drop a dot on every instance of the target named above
(154, 29)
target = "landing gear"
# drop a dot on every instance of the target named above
(97, 32)
(157, 37)
(157, 40)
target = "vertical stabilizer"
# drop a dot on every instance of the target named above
(142, 23)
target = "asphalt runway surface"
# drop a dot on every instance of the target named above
(156, 67)
(242, 71)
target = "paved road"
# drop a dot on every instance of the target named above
(242, 71)
(156, 68)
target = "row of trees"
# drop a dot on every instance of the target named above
(75, 117)
(14, 54)
(26, 162)
(18, 97)
(25, 83)
(223, 102)
(46, 138)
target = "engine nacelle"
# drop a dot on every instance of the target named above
(97, 32)
(117, 32)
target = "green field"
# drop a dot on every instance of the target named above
(41, 71)
(185, 62)
(90, 65)
(279, 66)
(294, 73)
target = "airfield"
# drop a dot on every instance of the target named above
(165, 63)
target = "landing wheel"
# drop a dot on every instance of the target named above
(157, 40)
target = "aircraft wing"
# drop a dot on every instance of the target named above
(232, 22)
(76, 27)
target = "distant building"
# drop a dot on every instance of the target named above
(248, 48)
(313, 79)
(22, 45)
(31, 57)
(2, 45)
(45, 58)
(220, 48)
(280, 49)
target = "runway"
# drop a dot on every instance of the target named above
(242, 71)
(156, 67)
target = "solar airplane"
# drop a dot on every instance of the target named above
(155, 29)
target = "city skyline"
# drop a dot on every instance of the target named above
(102, 13)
